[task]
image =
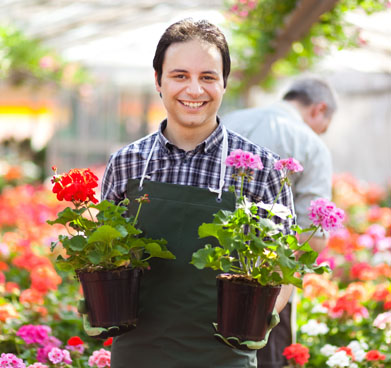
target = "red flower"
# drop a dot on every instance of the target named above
(298, 353)
(348, 351)
(77, 185)
(75, 340)
(108, 342)
(374, 355)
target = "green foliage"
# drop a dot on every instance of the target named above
(254, 246)
(27, 61)
(109, 242)
(253, 38)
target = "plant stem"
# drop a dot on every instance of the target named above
(88, 209)
(241, 186)
(275, 199)
(138, 211)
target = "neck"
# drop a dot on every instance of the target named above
(188, 138)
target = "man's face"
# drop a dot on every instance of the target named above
(192, 85)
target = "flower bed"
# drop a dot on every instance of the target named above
(344, 319)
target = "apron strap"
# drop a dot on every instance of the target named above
(223, 167)
(140, 187)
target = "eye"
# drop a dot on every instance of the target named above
(209, 78)
(179, 76)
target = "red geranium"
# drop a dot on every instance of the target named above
(76, 186)
(75, 340)
(348, 351)
(374, 355)
(298, 353)
(108, 342)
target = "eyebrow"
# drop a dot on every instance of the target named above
(186, 71)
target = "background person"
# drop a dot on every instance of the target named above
(182, 169)
(291, 128)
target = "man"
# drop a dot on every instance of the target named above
(291, 128)
(182, 169)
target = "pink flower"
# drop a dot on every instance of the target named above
(37, 365)
(34, 334)
(11, 361)
(325, 214)
(42, 353)
(383, 321)
(377, 232)
(57, 355)
(244, 160)
(289, 164)
(100, 358)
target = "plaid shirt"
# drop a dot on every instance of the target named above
(199, 167)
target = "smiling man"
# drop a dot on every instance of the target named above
(182, 169)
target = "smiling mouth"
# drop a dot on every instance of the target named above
(193, 105)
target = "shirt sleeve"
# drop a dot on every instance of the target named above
(108, 183)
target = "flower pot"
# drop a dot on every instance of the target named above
(112, 297)
(244, 307)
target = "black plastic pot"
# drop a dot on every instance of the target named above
(244, 307)
(112, 298)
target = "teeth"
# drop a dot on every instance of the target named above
(192, 104)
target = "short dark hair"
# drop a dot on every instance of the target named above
(188, 30)
(310, 90)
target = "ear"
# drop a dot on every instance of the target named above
(157, 84)
(319, 108)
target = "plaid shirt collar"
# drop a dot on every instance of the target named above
(209, 145)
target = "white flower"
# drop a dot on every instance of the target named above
(353, 365)
(319, 308)
(279, 210)
(358, 349)
(381, 257)
(339, 359)
(328, 350)
(315, 328)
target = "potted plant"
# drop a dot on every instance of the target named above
(256, 256)
(105, 249)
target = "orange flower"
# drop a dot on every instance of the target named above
(8, 311)
(12, 287)
(358, 291)
(383, 270)
(31, 296)
(317, 285)
(3, 266)
(44, 278)
(13, 173)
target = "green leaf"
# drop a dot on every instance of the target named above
(95, 257)
(66, 216)
(155, 250)
(105, 234)
(77, 243)
(209, 229)
(308, 258)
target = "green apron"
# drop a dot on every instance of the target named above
(177, 302)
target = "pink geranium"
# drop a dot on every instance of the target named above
(11, 361)
(244, 160)
(37, 365)
(325, 214)
(288, 164)
(57, 355)
(34, 334)
(100, 358)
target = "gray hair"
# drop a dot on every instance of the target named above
(308, 91)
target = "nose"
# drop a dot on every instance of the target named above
(194, 88)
